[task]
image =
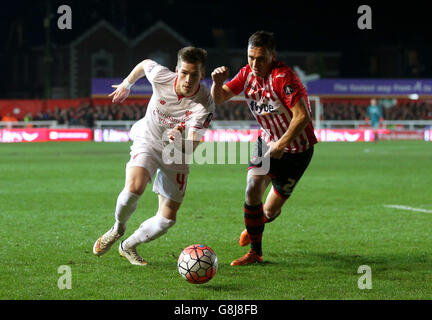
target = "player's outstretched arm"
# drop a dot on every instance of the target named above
(122, 90)
(219, 91)
(299, 121)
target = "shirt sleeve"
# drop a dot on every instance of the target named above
(236, 85)
(156, 73)
(201, 120)
(290, 89)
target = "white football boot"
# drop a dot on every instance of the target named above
(131, 255)
(104, 243)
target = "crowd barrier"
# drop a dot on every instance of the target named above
(211, 135)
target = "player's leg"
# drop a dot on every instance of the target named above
(139, 171)
(273, 205)
(155, 226)
(291, 169)
(256, 186)
(254, 218)
(286, 173)
(272, 209)
(170, 187)
(253, 211)
(137, 179)
(150, 230)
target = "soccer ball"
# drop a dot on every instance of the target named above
(197, 263)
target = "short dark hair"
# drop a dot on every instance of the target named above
(263, 39)
(192, 55)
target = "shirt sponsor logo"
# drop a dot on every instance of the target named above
(263, 108)
(168, 120)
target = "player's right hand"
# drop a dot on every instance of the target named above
(120, 93)
(219, 75)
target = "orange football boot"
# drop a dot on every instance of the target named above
(244, 238)
(249, 258)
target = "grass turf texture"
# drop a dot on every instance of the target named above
(58, 198)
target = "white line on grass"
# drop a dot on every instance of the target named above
(407, 208)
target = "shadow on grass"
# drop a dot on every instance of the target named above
(420, 261)
(223, 287)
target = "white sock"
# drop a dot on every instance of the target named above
(149, 230)
(126, 204)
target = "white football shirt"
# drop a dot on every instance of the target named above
(166, 109)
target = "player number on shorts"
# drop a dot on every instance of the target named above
(288, 188)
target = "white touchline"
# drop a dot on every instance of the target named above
(407, 208)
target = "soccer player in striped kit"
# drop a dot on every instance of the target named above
(279, 103)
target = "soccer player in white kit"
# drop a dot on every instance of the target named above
(179, 110)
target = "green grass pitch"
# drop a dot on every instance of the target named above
(56, 199)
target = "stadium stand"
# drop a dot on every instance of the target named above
(235, 110)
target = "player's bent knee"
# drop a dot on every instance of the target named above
(137, 179)
(136, 186)
(136, 189)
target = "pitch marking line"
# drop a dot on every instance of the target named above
(395, 206)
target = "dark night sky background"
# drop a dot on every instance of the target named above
(298, 25)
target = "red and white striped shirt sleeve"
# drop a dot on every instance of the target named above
(289, 89)
(236, 85)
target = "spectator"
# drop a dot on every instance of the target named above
(28, 117)
(9, 118)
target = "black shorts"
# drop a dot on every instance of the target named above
(284, 172)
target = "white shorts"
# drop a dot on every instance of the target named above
(170, 180)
